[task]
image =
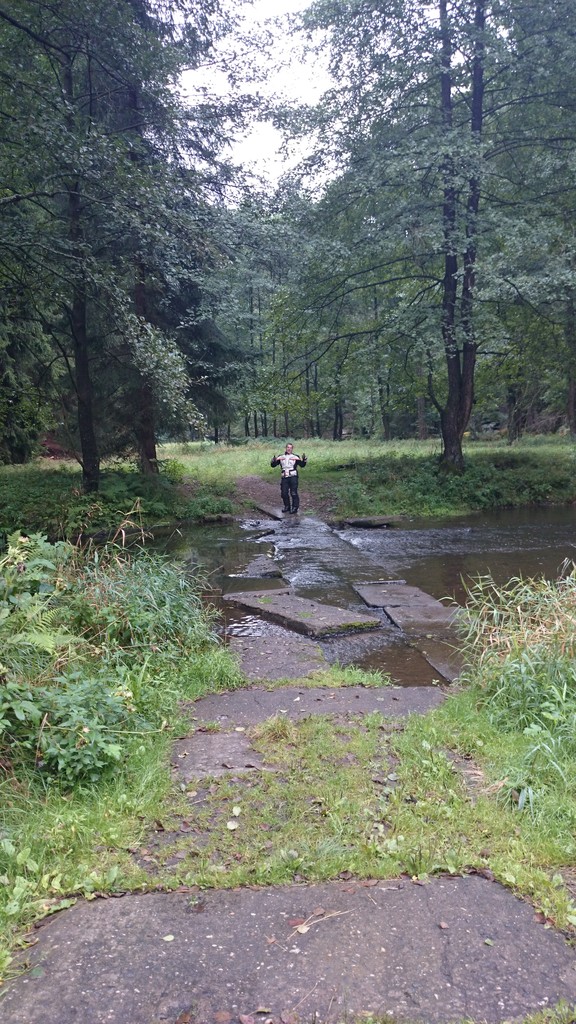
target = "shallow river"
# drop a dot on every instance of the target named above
(439, 556)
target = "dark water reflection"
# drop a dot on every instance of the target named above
(441, 557)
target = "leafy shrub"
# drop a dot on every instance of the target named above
(71, 727)
(173, 470)
(207, 505)
(96, 650)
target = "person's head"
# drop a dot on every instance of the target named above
(289, 449)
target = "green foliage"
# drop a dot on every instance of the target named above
(207, 506)
(521, 646)
(89, 649)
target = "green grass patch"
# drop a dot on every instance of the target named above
(197, 481)
(403, 477)
(364, 799)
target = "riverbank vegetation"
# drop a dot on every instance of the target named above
(199, 482)
(97, 650)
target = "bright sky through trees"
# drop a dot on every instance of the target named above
(283, 72)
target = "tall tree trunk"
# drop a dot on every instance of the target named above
(455, 415)
(570, 338)
(384, 403)
(87, 433)
(145, 411)
(450, 414)
(78, 318)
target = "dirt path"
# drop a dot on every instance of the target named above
(261, 493)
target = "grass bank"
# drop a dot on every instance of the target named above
(197, 481)
(402, 478)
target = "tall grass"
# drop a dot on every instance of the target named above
(521, 644)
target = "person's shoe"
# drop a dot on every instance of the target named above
(285, 509)
(294, 511)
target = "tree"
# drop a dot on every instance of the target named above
(425, 208)
(107, 185)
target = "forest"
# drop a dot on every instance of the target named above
(411, 277)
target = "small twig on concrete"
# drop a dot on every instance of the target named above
(303, 928)
(304, 998)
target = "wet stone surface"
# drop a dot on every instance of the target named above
(248, 707)
(452, 949)
(303, 615)
(213, 754)
(279, 655)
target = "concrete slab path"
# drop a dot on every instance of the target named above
(454, 948)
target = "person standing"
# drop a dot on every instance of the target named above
(289, 462)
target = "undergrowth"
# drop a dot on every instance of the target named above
(97, 651)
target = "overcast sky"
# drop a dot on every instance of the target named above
(297, 80)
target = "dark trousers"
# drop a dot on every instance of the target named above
(289, 492)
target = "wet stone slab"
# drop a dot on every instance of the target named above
(213, 754)
(277, 656)
(369, 522)
(262, 566)
(471, 951)
(249, 707)
(442, 656)
(409, 608)
(303, 615)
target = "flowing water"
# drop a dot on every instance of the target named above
(441, 557)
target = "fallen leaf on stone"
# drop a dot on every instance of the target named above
(295, 922)
(236, 811)
(246, 1018)
(488, 942)
(443, 925)
(184, 1018)
(232, 825)
(240, 728)
(303, 928)
(222, 1017)
(287, 1017)
(168, 938)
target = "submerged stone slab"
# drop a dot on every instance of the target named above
(262, 566)
(454, 949)
(370, 522)
(441, 655)
(213, 754)
(409, 608)
(392, 593)
(308, 617)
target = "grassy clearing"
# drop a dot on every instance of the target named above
(367, 478)
(197, 481)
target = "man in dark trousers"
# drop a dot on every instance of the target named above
(289, 480)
